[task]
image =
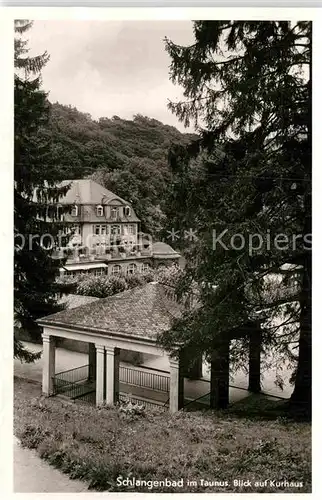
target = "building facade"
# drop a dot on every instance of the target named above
(104, 234)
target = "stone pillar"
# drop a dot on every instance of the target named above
(254, 376)
(219, 376)
(176, 397)
(112, 355)
(99, 374)
(91, 362)
(48, 371)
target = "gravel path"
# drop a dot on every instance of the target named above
(34, 475)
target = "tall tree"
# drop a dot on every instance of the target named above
(36, 226)
(247, 87)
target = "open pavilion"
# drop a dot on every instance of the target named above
(130, 320)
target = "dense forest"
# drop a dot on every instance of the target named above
(129, 157)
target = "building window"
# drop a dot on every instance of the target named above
(116, 270)
(131, 269)
(99, 211)
(60, 212)
(116, 229)
(114, 213)
(77, 229)
(99, 271)
(70, 273)
(74, 211)
(145, 268)
(127, 211)
(100, 229)
(65, 230)
(131, 229)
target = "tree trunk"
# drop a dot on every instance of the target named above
(195, 370)
(219, 376)
(254, 377)
(303, 380)
(302, 394)
(191, 366)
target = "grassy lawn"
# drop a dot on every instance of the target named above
(100, 445)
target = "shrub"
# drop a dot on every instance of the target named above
(101, 286)
(169, 275)
(105, 286)
(148, 276)
(132, 409)
(133, 280)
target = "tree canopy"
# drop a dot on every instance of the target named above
(35, 289)
(247, 87)
(129, 157)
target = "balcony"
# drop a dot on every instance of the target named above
(110, 253)
(116, 253)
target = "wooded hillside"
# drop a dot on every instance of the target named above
(129, 157)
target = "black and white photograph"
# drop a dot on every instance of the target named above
(162, 255)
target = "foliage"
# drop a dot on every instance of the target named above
(100, 445)
(105, 286)
(34, 173)
(249, 85)
(130, 409)
(129, 157)
(136, 279)
(169, 275)
(101, 286)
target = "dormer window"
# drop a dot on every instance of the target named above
(99, 211)
(114, 213)
(127, 211)
(74, 211)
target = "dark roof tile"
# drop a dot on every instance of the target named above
(140, 312)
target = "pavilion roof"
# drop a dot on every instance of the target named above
(142, 312)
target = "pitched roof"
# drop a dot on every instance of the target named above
(140, 312)
(87, 191)
(72, 300)
(162, 250)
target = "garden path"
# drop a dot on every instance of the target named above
(34, 475)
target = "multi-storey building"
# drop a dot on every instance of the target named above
(105, 236)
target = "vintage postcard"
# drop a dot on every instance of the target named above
(162, 277)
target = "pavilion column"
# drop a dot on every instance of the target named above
(176, 397)
(48, 372)
(91, 362)
(112, 355)
(254, 376)
(219, 376)
(99, 374)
